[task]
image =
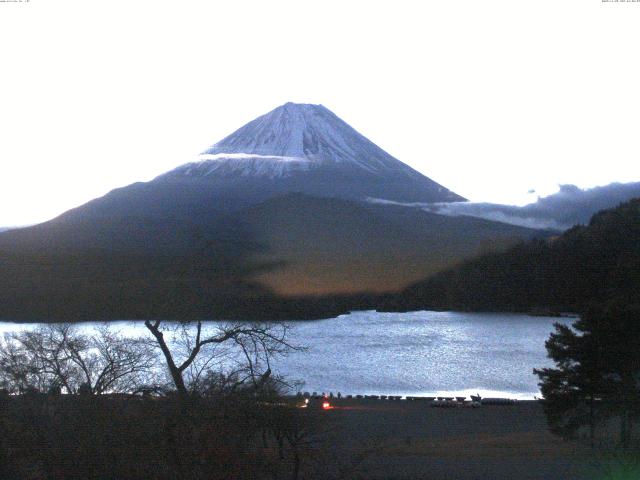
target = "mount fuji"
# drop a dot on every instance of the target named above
(306, 148)
(273, 221)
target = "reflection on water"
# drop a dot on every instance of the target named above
(417, 353)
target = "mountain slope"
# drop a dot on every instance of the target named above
(335, 246)
(585, 264)
(255, 263)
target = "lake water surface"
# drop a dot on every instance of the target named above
(416, 353)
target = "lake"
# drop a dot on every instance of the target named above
(416, 353)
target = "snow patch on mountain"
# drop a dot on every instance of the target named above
(243, 164)
(226, 156)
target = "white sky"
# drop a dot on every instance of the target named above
(489, 98)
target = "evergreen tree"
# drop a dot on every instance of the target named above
(597, 374)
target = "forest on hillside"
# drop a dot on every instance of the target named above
(587, 264)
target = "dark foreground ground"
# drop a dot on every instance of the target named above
(410, 440)
(241, 437)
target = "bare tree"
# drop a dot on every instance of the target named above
(17, 373)
(59, 356)
(237, 354)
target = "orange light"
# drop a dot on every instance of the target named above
(326, 405)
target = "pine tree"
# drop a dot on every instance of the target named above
(597, 374)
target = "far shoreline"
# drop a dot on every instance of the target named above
(297, 319)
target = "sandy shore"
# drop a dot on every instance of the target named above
(411, 440)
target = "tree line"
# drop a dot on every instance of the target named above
(586, 264)
(186, 358)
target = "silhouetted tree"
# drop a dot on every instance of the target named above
(59, 357)
(597, 374)
(238, 354)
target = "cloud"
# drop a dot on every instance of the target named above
(569, 206)
(15, 227)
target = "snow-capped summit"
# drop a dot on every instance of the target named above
(304, 136)
(320, 153)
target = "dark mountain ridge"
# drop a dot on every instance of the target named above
(593, 263)
(292, 257)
